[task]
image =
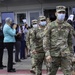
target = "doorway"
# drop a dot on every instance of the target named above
(51, 14)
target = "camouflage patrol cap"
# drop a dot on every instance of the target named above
(34, 21)
(42, 18)
(60, 8)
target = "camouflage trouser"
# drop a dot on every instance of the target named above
(33, 62)
(65, 65)
(47, 65)
(73, 66)
(39, 58)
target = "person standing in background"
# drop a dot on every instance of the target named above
(27, 54)
(23, 43)
(17, 43)
(1, 46)
(70, 19)
(9, 41)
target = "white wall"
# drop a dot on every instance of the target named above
(36, 7)
(39, 6)
(21, 9)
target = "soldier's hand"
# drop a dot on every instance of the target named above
(48, 59)
(34, 52)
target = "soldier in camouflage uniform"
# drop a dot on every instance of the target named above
(37, 40)
(30, 44)
(45, 62)
(57, 43)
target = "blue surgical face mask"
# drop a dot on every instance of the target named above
(42, 23)
(60, 16)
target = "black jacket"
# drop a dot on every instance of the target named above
(18, 37)
(1, 38)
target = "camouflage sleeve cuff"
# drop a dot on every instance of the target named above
(28, 47)
(47, 53)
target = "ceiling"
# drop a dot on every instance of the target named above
(27, 2)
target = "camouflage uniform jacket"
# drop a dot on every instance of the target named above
(37, 39)
(57, 39)
(29, 36)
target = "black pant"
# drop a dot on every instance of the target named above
(18, 47)
(1, 56)
(9, 47)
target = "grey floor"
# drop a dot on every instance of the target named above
(23, 65)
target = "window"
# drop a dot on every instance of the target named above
(20, 17)
(73, 10)
(33, 15)
(4, 15)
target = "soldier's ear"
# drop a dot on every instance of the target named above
(56, 14)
